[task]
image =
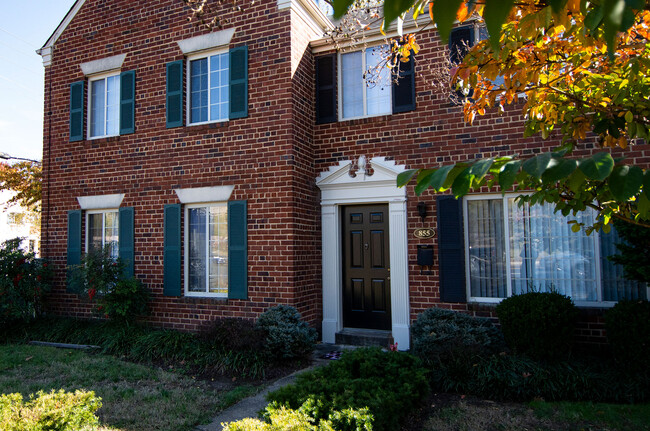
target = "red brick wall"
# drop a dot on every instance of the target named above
(265, 156)
(433, 135)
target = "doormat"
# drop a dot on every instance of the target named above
(333, 356)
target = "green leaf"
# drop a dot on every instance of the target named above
(439, 177)
(444, 15)
(575, 228)
(557, 5)
(646, 183)
(537, 165)
(495, 14)
(597, 167)
(559, 169)
(594, 17)
(612, 18)
(404, 177)
(341, 7)
(393, 9)
(625, 182)
(481, 167)
(461, 184)
(508, 174)
(576, 180)
(423, 180)
(643, 206)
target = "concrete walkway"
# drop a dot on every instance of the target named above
(250, 407)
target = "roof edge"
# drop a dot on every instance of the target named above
(46, 50)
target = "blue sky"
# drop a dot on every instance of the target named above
(24, 27)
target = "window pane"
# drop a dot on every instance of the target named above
(95, 231)
(113, 105)
(615, 286)
(378, 86)
(486, 249)
(199, 90)
(352, 77)
(97, 104)
(218, 250)
(545, 255)
(197, 250)
(111, 233)
(218, 86)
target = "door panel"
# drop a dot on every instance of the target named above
(366, 267)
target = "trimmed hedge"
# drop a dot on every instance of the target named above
(538, 324)
(287, 335)
(628, 332)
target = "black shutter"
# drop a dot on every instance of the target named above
(127, 102)
(238, 82)
(404, 87)
(460, 40)
(451, 250)
(126, 240)
(237, 250)
(174, 105)
(326, 89)
(76, 111)
(74, 245)
(172, 251)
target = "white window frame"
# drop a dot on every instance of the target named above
(99, 77)
(364, 68)
(103, 212)
(186, 252)
(599, 303)
(188, 78)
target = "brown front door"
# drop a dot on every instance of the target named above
(366, 268)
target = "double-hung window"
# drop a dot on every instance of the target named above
(102, 231)
(104, 106)
(206, 250)
(365, 89)
(512, 249)
(209, 86)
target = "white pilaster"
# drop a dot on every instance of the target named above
(332, 294)
(399, 280)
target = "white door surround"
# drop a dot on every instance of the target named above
(338, 188)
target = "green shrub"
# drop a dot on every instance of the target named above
(287, 336)
(100, 279)
(281, 418)
(54, 411)
(538, 324)
(388, 384)
(24, 281)
(443, 336)
(628, 332)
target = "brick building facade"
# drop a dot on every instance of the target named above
(223, 167)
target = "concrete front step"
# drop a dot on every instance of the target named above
(364, 337)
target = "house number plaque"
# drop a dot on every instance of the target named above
(424, 233)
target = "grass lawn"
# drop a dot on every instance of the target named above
(134, 397)
(452, 413)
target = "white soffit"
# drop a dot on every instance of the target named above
(204, 194)
(103, 64)
(100, 202)
(214, 40)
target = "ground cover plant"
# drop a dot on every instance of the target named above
(388, 384)
(133, 397)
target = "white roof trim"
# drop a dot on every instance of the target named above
(204, 194)
(216, 39)
(46, 50)
(310, 8)
(100, 202)
(103, 64)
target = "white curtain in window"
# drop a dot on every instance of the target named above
(352, 77)
(378, 86)
(615, 287)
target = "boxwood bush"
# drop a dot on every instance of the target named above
(538, 324)
(440, 336)
(388, 384)
(628, 332)
(287, 335)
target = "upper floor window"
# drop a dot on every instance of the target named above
(104, 106)
(209, 85)
(102, 231)
(365, 84)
